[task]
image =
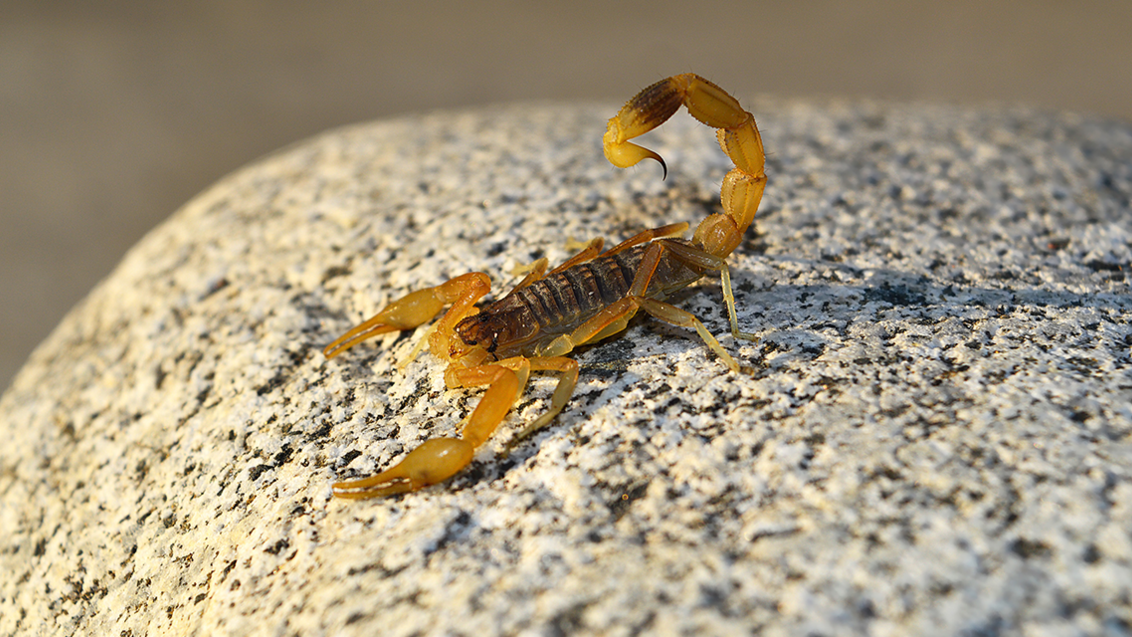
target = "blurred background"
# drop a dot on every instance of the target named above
(113, 114)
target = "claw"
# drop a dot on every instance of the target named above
(434, 461)
(405, 313)
(416, 309)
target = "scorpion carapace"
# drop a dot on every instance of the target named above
(589, 297)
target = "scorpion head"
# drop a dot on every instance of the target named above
(480, 330)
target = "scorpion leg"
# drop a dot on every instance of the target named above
(729, 301)
(537, 270)
(614, 318)
(702, 259)
(683, 318)
(534, 272)
(566, 384)
(417, 308)
(670, 313)
(592, 249)
(494, 406)
(663, 232)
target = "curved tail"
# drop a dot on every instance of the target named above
(742, 190)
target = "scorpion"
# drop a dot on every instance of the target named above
(591, 296)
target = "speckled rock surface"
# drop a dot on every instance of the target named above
(936, 437)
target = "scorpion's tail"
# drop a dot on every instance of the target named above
(742, 189)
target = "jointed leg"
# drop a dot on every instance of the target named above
(729, 301)
(614, 318)
(537, 270)
(676, 316)
(533, 272)
(568, 367)
(699, 258)
(592, 249)
(663, 232)
(505, 381)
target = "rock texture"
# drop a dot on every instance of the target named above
(936, 437)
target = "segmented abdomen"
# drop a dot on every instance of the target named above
(580, 291)
(562, 301)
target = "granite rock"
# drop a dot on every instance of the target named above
(934, 437)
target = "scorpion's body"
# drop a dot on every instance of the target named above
(529, 318)
(589, 297)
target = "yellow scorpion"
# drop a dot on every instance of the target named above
(589, 297)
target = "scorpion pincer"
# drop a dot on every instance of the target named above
(589, 297)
